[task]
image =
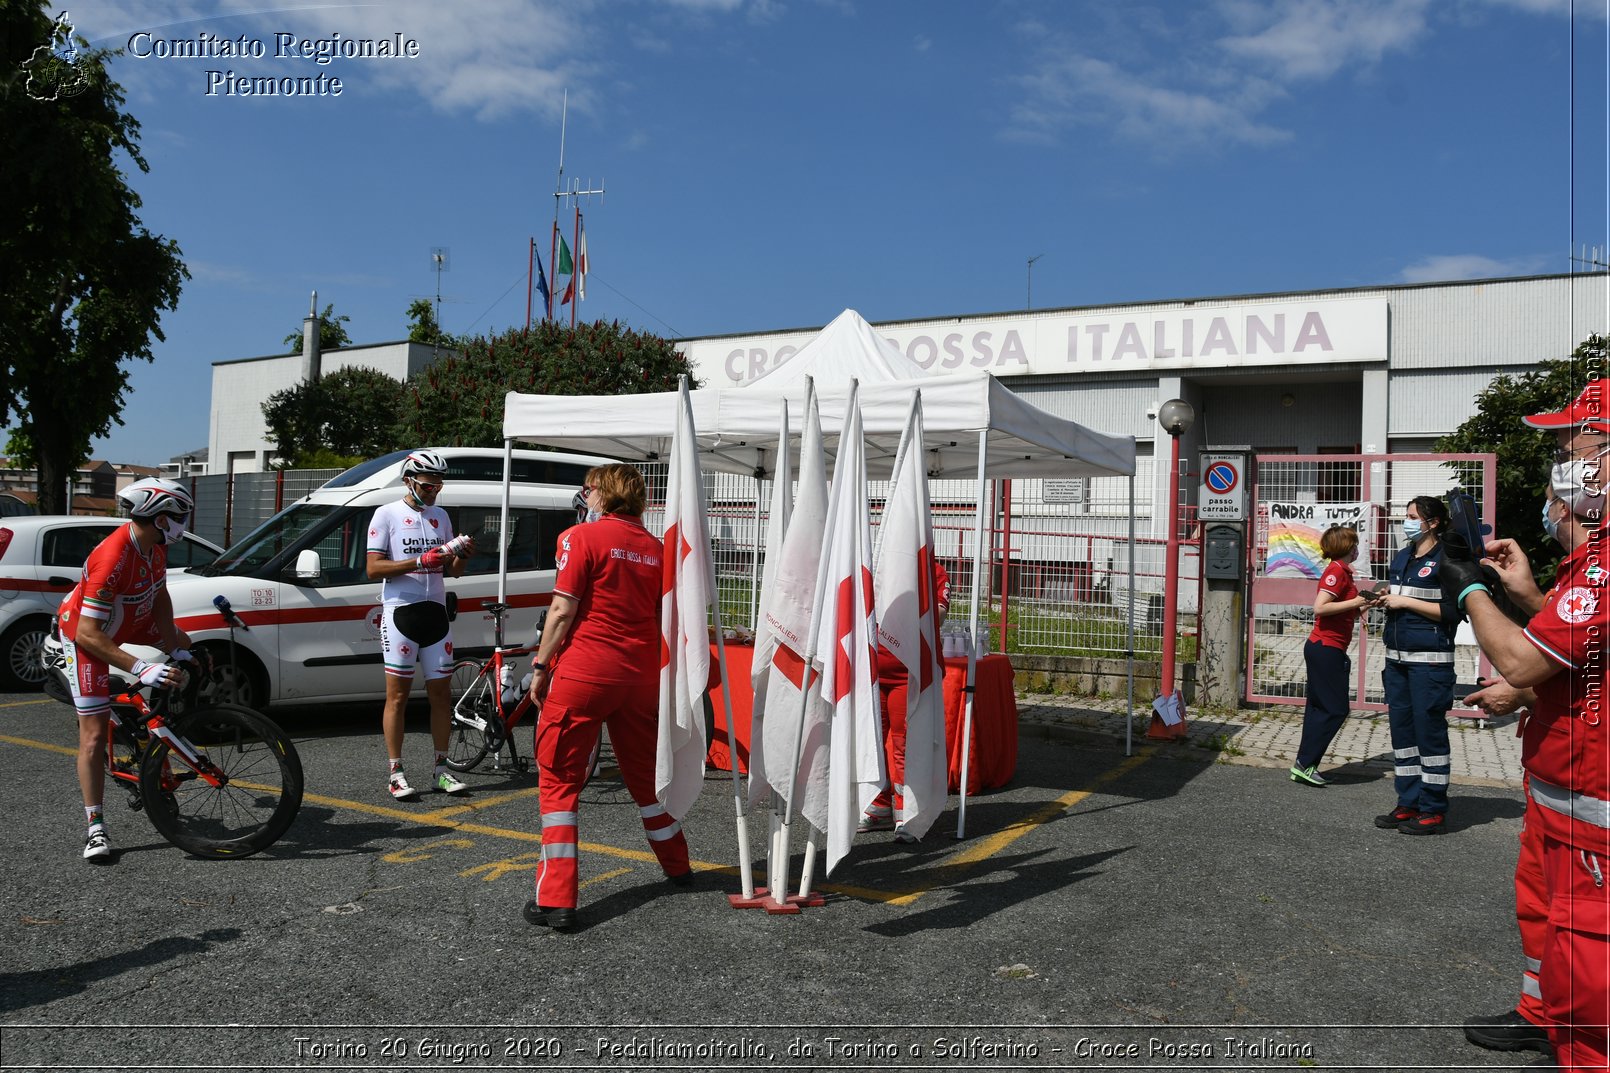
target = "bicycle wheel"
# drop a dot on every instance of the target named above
(258, 800)
(475, 730)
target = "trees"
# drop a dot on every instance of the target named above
(422, 326)
(350, 414)
(1525, 454)
(332, 332)
(86, 282)
(458, 402)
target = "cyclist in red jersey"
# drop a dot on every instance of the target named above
(121, 598)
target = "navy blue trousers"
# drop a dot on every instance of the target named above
(1418, 696)
(1329, 670)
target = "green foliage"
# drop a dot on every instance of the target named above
(422, 326)
(1526, 454)
(332, 332)
(458, 401)
(350, 413)
(86, 283)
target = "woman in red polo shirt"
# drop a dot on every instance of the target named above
(599, 665)
(1336, 611)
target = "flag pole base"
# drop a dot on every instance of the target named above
(738, 901)
(812, 900)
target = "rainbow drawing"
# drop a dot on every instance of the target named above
(1294, 551)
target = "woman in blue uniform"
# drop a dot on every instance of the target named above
(1419, 673)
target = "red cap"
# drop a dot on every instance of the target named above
(1590, 410)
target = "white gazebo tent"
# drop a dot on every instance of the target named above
(975, 427)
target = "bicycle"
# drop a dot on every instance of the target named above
(483, 722)
(217, 781)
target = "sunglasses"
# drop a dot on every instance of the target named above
(427, 486)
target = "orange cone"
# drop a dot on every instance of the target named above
(1161, 730)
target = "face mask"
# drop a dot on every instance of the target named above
(1549, 525)
(593, 515)
(1579, 483)
(1411, 528)
(175, 530)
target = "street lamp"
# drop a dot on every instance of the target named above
(1176, 416)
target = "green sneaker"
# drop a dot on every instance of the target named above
(448, 783)
(1307, 775)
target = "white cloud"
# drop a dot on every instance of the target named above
(488, 60)
(1075, 89)
(1451, 266)
(1313, 39)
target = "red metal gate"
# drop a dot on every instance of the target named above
(1294, 497)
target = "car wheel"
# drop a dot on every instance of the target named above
(20, 649)
(242, 684)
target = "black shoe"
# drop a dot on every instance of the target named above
(1427, 823)
(1395, 817)
(1507, 1031)
(681, 879)
(543, 917)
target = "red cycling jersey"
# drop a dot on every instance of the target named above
(118, 588)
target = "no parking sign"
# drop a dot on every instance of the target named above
(1223, 494)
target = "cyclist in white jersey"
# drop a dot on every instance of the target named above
(411, 548)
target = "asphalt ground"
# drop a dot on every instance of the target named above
(1158, 911)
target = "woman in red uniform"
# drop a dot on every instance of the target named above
(1336, 609)
(599, 665)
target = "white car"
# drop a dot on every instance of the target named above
(41, 559)
(299, 581)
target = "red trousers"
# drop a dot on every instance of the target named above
(1531, 912)
(567, 729)
(1575, 977)
(893, 688)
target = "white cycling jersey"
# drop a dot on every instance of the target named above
(400, 532)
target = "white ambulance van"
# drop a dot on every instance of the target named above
(313, 617)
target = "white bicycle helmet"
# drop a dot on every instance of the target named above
(153, 496)
(424, 462)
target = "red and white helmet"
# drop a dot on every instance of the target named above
(424, 462)
(153, 496)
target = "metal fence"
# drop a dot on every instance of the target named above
(1056, 561)
(1281, 608)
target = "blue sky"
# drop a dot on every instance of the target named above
(771, 162)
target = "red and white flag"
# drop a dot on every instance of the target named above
(687, 589)
(846, 646)
(581, 262)
(787, 602)
(907, 606)
(782, 502)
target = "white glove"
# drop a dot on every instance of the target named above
(149, 674)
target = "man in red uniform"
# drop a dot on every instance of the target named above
(121, 598)
(1562, 657)
(893, 688)
(598, 664)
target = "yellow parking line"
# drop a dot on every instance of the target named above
(26, 703)
(943, 872)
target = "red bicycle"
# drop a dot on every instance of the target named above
(216, 780)
(483, 721)
(490, 697)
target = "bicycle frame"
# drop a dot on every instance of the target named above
(155, 725)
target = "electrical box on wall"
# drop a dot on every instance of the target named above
(1222, 554)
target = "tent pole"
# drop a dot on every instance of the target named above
(503, 531)
(972, 632)
(1129, 718)
(754, 559)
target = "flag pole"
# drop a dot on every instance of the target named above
(530, 270)
(558, 200)
(575, 290)
(972, 632)
(806, 681)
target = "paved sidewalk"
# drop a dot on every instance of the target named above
(1484, 754)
